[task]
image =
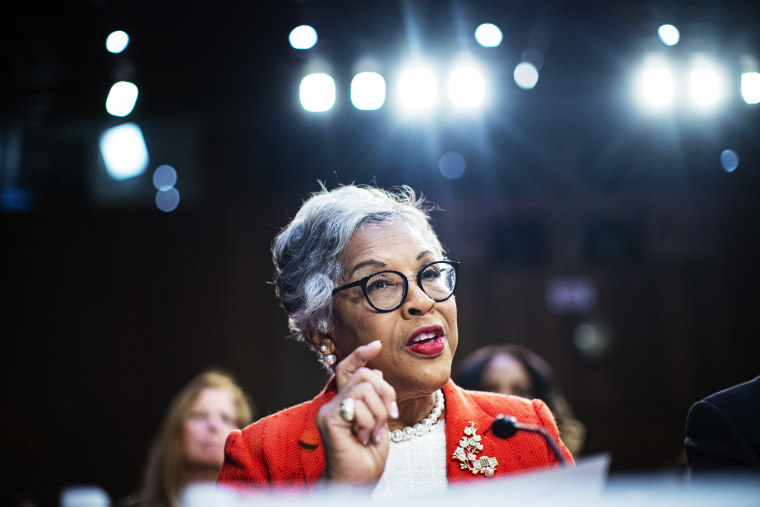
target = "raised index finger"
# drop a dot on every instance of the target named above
(355, 360)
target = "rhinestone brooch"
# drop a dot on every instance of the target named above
(467, 453)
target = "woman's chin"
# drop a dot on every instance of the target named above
(208, 461)
(424, 381)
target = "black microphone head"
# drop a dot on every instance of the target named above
(504, 426)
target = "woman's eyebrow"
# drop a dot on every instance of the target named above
(381, 264)
(424, 254)
(362, 264)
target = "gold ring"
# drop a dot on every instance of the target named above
(347, 410)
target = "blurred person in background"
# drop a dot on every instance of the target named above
(364, 280)
(723, 433)
(517, 370)
(189, 448)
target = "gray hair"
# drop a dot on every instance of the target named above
(307, 252)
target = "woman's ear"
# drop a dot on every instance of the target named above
(322, 342)
(324, 346)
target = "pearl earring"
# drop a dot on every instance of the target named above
(327, 358)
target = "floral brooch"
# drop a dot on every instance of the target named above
(467, 451)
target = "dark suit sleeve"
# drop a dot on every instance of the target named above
(714, 444)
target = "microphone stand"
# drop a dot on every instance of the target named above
(507, 426)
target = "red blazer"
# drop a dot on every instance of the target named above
(285, 449)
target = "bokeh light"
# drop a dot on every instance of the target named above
(167, 200)
(570, 295)
(452, 165)
(303, 37)
(368, 91)
(418, 89)
(669, 35)
(729, 159)
(591, 340)
(121, 98)
(317, 92)
(488, 35)
(706, 87)
(656, 87)
(164, 177)
(467, 87)
(117, 41)
(751, 87)
(526, 75)
(124, 152)
(15, 199)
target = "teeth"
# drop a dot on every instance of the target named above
(423, 336)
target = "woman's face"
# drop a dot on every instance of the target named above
(506, 375)
(419, 338)
(211, 418)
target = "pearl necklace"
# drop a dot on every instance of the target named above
(423, 427)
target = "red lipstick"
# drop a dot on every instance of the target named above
(427, 341)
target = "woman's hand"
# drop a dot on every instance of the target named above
(356, 451)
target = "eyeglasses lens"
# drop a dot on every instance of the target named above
(386, 290)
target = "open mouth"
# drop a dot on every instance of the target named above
(428, 341)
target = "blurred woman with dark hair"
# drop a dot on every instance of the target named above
(516, 370)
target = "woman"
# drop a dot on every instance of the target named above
(364, 281)
(190, 447)
(513, 369)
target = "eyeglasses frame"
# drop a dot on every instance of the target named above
(362, 282)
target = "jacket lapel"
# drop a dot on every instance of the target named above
(460, 412)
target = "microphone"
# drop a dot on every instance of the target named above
(505, 426)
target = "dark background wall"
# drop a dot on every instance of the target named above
(111, 305)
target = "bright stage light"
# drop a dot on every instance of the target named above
(317, 92)
(656, 87)
(418, 89)
(669, 35)
(303, 37)
(488, 35)
(121, 99)
(706, 86)
(124, 152)
(751, 87)
(117, 41)
(659, 86)
(467, 88)
(526, 75)
(368, 91)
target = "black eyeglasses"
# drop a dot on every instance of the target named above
(386, 290)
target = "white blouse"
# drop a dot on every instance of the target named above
(416, 465)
